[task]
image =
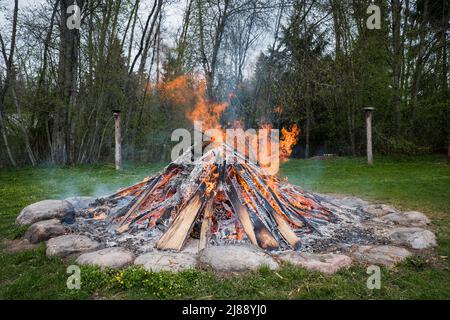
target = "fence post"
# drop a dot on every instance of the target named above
(118, 140)
(369, 112)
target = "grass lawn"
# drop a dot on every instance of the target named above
(414, 184)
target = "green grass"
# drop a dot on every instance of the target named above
(412, 184)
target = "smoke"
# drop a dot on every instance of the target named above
(89, 180)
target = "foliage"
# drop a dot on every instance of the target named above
(317, 65)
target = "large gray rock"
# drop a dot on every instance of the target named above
(416, 238)
(325, 263)
(115, 257)
(69, 246)
(80, 203)
(236, 258)
(166, 261)
(380, 255)
(44, 210)
(378, 210)
(410, 218)
(353, 202)
(44, 230)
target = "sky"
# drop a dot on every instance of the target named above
(172, 22)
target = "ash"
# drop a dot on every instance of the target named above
(347, 229)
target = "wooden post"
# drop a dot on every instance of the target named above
(118, 140)
(448, 153)
(369, 112)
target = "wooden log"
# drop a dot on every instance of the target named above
(274, 211)
(131, 189)
(206, 224)
(256, 231)
(242, 212)
(124, 227)
(175, 236)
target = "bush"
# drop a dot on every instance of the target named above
(403, 147)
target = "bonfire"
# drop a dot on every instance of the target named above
(224, 196)
(221, 197)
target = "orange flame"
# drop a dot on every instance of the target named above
(278, 109)
(190, 91)
(288, 141)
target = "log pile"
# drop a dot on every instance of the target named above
(220, 198)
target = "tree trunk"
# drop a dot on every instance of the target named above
(67, 77)
(26, 138)
(9, 67)
(396, 62)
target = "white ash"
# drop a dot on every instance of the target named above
(347, 229)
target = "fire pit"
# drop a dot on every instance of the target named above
(220, 199)
(220, 210)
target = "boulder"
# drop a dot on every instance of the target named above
(380, 255)
(410, 218)
(71, 245)
(378, 210)
(44, 210)
(114, 257)
(236, 258)
(166, 261)
(416, 238)
(353, 202)
(328, 263)
(80, 203)
(44, 230)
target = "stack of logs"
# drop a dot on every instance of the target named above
(219, 199)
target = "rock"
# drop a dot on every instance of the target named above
(353, 202)
(70, 246)
(44, 230)
(236, 258)
(115, 257)
(18, 245)
(380, 255)
(80, 203)
(166, 261)
(416, 238)
(378, 210)
(410, 218)
(43, 210)
(325, 263)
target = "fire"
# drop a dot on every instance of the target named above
(278, 109)
(288, 141)
(189, 91)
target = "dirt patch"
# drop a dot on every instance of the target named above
(19, 245)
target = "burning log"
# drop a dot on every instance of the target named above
(180, 228)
